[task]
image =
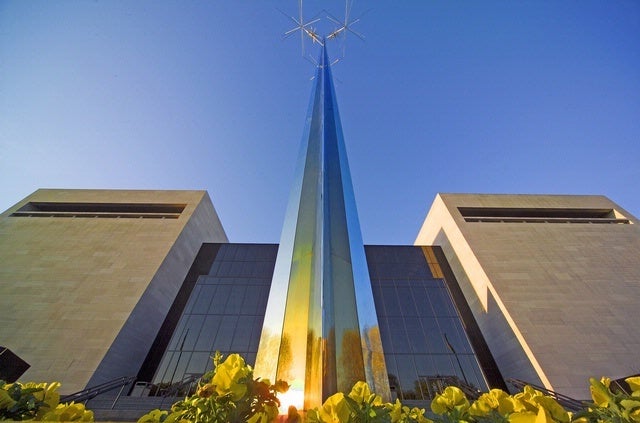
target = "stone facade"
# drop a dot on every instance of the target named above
(79, 294)
(555, 290)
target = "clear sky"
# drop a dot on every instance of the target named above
(442, 96)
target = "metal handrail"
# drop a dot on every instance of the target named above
(175, 388)
(93, 391)
(567, 402)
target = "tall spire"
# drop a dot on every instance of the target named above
(320, 331)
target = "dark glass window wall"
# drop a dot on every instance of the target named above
(423, 335)
(224, 312)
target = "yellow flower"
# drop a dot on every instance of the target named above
(551, 405)
(153, 416)
(451, 398)
(334, 409)
(416, 414)
(69, 413)
(634, 384)
(523, 417)
(228, 375)
(542, 416)
(600, 393)
(395, 410)
(362, 394)
(496, 399)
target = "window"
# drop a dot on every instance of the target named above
(113, 210)
(541, 215)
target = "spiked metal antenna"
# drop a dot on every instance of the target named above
(306, 29)
(346, 25)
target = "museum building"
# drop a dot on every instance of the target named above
(97, 285)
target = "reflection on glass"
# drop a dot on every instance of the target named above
(224, 313)
(421, 318)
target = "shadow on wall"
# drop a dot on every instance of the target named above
(509, 356)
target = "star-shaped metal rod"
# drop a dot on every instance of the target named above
(306, 28)
(346, 25)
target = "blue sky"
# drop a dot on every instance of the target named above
(443, 96)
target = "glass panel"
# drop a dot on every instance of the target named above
(377, 297)
(242, 334)
(204, 299)
(407, 304)
(170, 368)
(234, 302)
(424, 365)
(422, 300)
(391, 306)
(179, 370)
(252, 299)
(225, 334)
(449, 334)
(443, 364)
(236, 269)
(164, 365)
(240, 254)
(198, 363)
(416, 336)
(451, 327)
(177, 334)
(448, 302)
(434, 340)
(472, 371)
(255, 333)
(408, 377)
(227, 252)
(191, 332)
(193, 298)
(225, 268)
(438, 302)
(208, 333)
(250, 359)
(394, 381)
(398, 335)
(220, 299)
(261, 269)
(385, 335)
(215, 267)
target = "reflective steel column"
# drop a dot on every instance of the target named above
(320, 331)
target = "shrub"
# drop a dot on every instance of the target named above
(226, 394)
(38, 401)
(361, 405)
(612, 407)
(495, 406)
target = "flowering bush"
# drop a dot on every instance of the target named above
(226, 394)
(610, 407)
(38, 401)
(528, 406)
(361, 405)
(495, 406)
(531, 406)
